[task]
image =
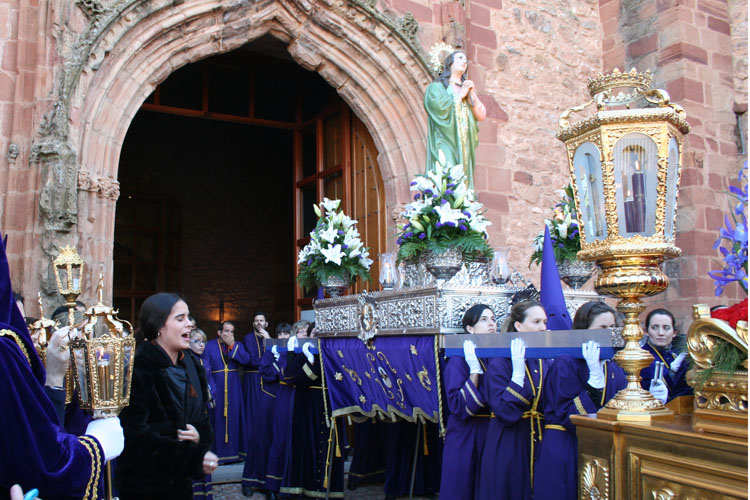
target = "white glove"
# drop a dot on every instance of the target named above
(275, 352)
(109, 434)
(658, 388)
(306, 351)
(518, 359)
(292, 344)
(590, 352)
(470, 356)
(675, 365)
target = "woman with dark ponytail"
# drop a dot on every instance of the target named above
(167, 430)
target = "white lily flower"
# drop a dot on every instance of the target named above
(330, 205)
(329, 234)
(355, 250)
(479, 224)
(366, 263)
(333, 254)
(422, 183)
(448, 214)
(457, 173)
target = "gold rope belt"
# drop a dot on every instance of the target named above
(555, 427)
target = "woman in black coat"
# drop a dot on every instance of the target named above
(168, 434)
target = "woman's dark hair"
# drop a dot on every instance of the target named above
(445, 76)
(282, 328)
(472, 315)
(587, 313)
(310, 328)
(660, 311)
(518, 313)
(154, 313)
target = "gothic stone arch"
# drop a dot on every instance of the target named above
(131, 46)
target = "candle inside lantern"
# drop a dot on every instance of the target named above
(104, 374)
(639, 198)
(629, 212)
(76, 282)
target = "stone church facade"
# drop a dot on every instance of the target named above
(73, 74)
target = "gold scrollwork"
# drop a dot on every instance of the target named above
(663, 494)
(704, 332)
(594, 480)
(383, 357)
(424, 378)
(353, 374)
(341, 354)
(413, 349)
(378, 374)
(399, 383)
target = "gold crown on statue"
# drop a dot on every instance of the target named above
(617, 79)
(438, 53)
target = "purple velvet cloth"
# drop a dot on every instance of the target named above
(565, 394)
(399, 458)
(273, 372)
(227, 427)
(260, 398)
(676, 381)
(505, 468)
(468, 420)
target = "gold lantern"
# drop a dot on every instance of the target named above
(102, 360)
(625, 162)
(68, 273)
(41, 330)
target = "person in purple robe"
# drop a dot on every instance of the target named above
(259, 407)
(468, 412)
(514, 391)
(225, 357)
(308, 454)
(574, 387)
(202, 487)
(665, 377)
(400, 440)
(273, 370)
(36, 451)
(368, 456)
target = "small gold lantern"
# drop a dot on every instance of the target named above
(102, 360)
(625, 163)
(41, 330)
(68, 273)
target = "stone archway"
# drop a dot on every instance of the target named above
(130, 48)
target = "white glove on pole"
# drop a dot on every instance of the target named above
(518, 359)
(306, 351)
(275, 352)
(109, 434)
(658, 388)
(675, 365)
(590, 352)
(291, 344)
(470, 356)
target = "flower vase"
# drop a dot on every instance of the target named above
(443, 266)
(575, 273)
(334, 286)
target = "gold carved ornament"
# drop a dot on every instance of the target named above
(594, 480)
(704, 332)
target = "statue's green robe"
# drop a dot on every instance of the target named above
(451, 128)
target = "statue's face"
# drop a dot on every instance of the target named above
(460, 63)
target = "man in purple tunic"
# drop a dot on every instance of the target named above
(225, 356)
(37, 452)
(259, 407)
(273, 370)
(573, 387)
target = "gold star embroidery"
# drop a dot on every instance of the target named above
(367, 375)
(362, 399)
(408, 377)
(341, 354)
(413, 349)
(338, 376)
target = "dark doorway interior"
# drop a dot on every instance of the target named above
(207, 176)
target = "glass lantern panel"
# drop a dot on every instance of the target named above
(636, 167)
(105, 371)
(672, 171)
(79, 356)
(127, 359)
(587, 163)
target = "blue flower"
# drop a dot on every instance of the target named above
(448, 191)
(462, 227)
(422, 236)
(408, 235)
(399, 241)
(341, 232)
(416, 196)
(443, 201)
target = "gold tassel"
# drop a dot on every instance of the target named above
(424, 436)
